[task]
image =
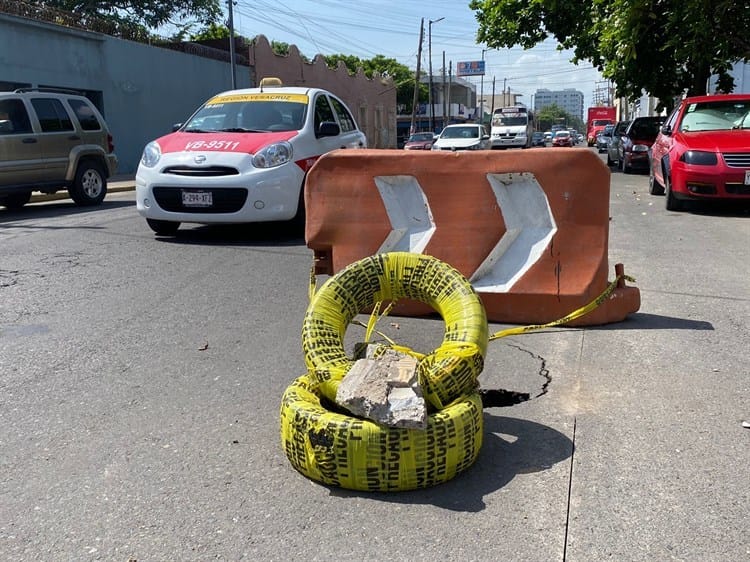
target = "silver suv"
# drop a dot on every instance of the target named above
(51, 140)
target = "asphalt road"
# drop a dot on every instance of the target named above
(140, 385)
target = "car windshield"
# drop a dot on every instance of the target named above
(562, 134)
(467, 132)
(508, 121)
(420, 137)
(246, 113)
(714, 115)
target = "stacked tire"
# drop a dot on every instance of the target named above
(327, 444)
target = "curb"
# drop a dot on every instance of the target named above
(41, 198)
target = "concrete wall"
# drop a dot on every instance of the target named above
(143, 89)
(373, 101)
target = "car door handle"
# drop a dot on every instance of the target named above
(74, 137)
(28, 141)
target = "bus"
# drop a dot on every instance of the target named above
(511, 127)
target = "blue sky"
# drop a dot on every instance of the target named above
(366, 28)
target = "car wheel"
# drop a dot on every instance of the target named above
(654, 188)
(163, 228)
(672, 203)
(15, 201)
(90, 184)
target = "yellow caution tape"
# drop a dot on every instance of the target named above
(565, 319)
(446, 374)
(341, 450)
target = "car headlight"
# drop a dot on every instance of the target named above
(273, 155)
(151, 154)
(699, 158)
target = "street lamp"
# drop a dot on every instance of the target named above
(429, 55)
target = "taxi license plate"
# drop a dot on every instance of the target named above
(197, 198)
(747, 177)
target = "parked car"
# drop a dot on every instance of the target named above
(537, 139)
(52, 139)
(420, 141)
(629, 150)
(464, 136)
(242, 157)
(618, 131)
(603, 138)
(703, 151)
(562, 138)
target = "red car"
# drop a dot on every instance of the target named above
(562, 138)
(703, 151)
(419, 141)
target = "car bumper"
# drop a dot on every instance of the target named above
(709, 182)
(497, 142)
(253, 195)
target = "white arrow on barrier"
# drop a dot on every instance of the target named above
(528, 218)
(408, 210)
(529, 225)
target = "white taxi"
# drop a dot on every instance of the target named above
(242, 157)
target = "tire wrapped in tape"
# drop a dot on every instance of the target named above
(341, 450)
(446, 374)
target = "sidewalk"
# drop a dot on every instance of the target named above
(125, 182)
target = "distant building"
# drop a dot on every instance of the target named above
(569, 99)
(741, 74)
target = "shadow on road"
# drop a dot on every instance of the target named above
(250, 234)
(511, 446)
(645, 321)
(56, 209)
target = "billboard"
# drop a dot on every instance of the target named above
(470, 68)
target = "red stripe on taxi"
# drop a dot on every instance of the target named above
(248, 143)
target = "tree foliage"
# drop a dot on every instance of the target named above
(150, 14)
(665, 47)
(552, 114)
(403, 77)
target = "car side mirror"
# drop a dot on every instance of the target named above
(329, 129)
(666, 129)
(177, 127)
(485, 137)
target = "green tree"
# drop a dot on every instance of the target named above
(402, 75)
(665, 47)
(552, 114)
(149, 14)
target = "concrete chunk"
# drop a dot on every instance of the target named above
(385, 390)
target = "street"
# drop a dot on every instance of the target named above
(140, 385)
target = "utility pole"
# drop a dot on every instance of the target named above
(492, 110)
(429, 43)
(450, 79)
(445, 111)
(231, 45)
(481, 93)
(413, 128)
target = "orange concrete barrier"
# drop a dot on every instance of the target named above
(528, 228)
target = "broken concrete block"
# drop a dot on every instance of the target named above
(385, 390)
